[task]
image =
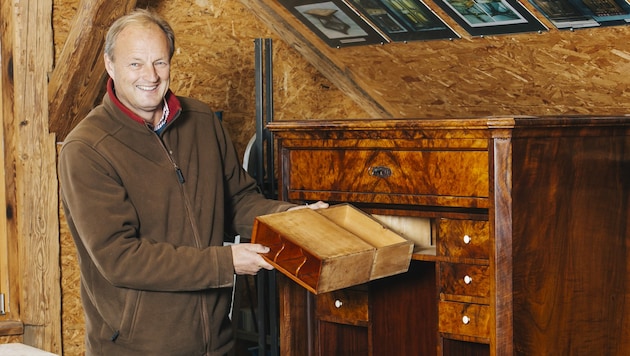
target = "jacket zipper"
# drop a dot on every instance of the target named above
(180, 178)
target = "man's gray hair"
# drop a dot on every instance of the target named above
(140, 17)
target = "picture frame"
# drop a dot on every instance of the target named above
(491, 17)
(573, 14)
(334, 22)
(404, 20)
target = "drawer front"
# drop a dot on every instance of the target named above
(366, 175)
(346, 306)
(464, 279)
(463, 238)
(464, 319)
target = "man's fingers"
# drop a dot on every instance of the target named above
(258, 248)
(318, 205)
(266, 265)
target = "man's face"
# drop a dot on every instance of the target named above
(141, 70)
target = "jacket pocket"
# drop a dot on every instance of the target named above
(116, 307)
(128, 317)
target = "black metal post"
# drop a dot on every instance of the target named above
(265, 177)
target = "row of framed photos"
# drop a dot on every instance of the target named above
(359, 22)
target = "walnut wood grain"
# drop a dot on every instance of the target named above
(458, 178)
(464, 319)
(463, 238)
(404, 312)
(347, 306)
(571, 243)
(464, 282)
(552, 236)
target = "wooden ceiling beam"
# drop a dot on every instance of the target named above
(79, 75)
(276, 17)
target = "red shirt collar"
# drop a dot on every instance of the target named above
(173, 103)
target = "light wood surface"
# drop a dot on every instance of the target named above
(333, 248)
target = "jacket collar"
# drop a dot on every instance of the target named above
(173, 103)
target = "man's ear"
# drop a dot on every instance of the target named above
(109, 65)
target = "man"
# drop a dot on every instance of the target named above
(150, 183)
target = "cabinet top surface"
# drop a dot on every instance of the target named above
(485, 123)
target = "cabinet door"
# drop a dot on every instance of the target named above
(404, 312)
(342, 339)
(463, 348)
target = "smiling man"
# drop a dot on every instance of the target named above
(137, 58)
(150, 183)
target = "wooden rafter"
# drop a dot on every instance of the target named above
(28, 170)
(79, 75)
(270, 13)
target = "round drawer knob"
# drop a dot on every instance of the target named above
(465, 320)
(467, 239)
(467, 279)
(338, 303)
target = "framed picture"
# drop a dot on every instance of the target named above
(570, 14)
(491, 17)
(403, 20)
(334, 22)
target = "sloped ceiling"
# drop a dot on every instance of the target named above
(554, 72)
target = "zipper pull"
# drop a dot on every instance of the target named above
(180, 175)
(114, 336)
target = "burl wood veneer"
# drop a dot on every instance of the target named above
(529, 223)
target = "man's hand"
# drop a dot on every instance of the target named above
(247, 259)
(317, 205)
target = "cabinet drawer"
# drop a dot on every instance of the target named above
(463, 238)
(346, 306)
(464, 319)
(464, 280)
(450, 178)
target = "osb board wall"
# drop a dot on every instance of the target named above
(581, 72)
(548, 73)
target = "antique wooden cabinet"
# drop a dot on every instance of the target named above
(530, 242)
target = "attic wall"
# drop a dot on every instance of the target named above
(550, 73)
(554, 73)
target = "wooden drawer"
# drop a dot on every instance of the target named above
(459, 279)
(393, 252)
(448, 178)
(464, 319)
(329, 249)
(346, 306)
(315, 252)
(463, 238)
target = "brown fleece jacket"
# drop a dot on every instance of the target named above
(148, 215)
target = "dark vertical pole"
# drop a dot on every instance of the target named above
(273, 297)
(269, 117)
(259, 169)
(267, 294)
(258, 58)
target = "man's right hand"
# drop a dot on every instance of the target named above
(247, 259)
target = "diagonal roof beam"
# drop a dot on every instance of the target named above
(79, 75)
